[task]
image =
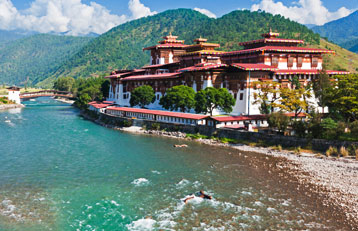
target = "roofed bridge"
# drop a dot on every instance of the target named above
(46, 93)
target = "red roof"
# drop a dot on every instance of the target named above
(99, 104)
(307, 72)
(160, 113)
(238, 118)
(202, 66)
(266, 40)
(280, 49)
(253, 67)
(167, 45)
(291, 114)
(159, 65)
(145, 77)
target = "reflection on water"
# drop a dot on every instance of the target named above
(60, 172)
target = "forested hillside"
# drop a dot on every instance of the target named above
(122, 46)
(351, 45)
(32, 59)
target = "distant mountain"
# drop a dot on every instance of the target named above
(34, 57)
(351, 45)
(7, 36)
(122, 46)
(310, 26)
(341, 30)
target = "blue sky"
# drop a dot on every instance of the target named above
(216, 6)
(78, 17)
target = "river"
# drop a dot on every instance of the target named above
(61, 172)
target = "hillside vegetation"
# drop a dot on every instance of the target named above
(342, 60)
(32, 59)
(121, 47)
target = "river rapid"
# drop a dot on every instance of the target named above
(61, 172)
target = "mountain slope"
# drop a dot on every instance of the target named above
(342, 60)
(341, 30)
(33, 58)
(351, 45)
(7, 36)
(122, 46)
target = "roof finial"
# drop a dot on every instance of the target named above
(170, 33)
(270, 30)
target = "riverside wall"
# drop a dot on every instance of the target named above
(270, 139)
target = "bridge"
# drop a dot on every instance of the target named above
(46, 93)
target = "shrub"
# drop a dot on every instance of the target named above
(279, 148)
(331, 151)
(343, 151)
(300, 128)
(297, 150)
(279, 121)
(356, 152)
(155, 126)
(354, 128)
(127, 123)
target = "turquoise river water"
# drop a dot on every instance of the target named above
(61, 172)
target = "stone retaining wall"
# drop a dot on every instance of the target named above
(284, 141)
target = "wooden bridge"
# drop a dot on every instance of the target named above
(46, 93)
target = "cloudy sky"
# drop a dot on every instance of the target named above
(79, 17)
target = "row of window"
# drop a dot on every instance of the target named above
(159, 118)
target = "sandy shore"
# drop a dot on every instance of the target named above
(10, 106)
(63, 100)
(335, 180)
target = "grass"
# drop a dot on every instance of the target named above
(344, 59)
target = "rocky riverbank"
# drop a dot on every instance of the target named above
(335, 180)
(10, 106)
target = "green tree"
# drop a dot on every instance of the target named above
(142, 96)
(279, 121)
(267, 95)
(64, 84)
(88, 90)
(344, 97)
(322, 88)
(294, 100)
(179, 97)
(209, 99)
(295, 82)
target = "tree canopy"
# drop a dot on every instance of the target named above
(178, 98)
(343, 96)
(142, 96)
(210, 98)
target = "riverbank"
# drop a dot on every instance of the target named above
(335, 180)
(64, 100)
(10, 106)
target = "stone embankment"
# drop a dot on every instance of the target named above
(10, 106)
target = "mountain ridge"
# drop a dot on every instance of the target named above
(121, 47)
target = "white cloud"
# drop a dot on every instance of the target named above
(139, 10)
(303, 11)
(66, 16)
(206, 12)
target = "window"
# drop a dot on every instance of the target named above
(274, 61)
(290, 62)
(241, 96)
(299, 61)
(314, 61)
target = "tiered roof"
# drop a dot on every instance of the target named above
(169, 41)
(282, 49)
